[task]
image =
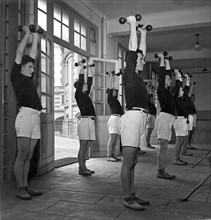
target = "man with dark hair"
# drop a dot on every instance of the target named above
(27, 122)
(113, 122)
(165, 119)
(86, 125)
(133, 122)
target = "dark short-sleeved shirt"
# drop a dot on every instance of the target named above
(83, 100)
(165, 97)
(152, 109)
(135, 89)
(113, 102)
(189, 102)
(24, 89)
(181, 106)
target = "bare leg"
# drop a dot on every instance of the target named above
(27, 162)
(23, 152)
(82, 153)
(149, 132)
(127, 170)
(161, 156)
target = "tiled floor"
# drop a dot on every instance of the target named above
(68, 195)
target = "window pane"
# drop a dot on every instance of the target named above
(65, 18)
(57, 12)
(43, 63)
(48, 85)
(57, 29)
(92, 34)
(83, 29)
(42, 20)
(42, 5)
(76, 40)
(43, 45)
(65, 33)
(92, 48)
(43, 101)
(76, 25)
(83, 43)
(43, 83)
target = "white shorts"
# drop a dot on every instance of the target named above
(163, 125)
(181, 126)
(191, 121)
(150, 121)
(27, 123)
(113, 124)
(86, 129)
(132, 128)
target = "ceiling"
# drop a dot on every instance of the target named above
(176, 40)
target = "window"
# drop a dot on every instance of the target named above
(92, 41)
(61, 23)
(42, 14)
(80, 37)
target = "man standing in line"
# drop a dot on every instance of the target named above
(27, 122)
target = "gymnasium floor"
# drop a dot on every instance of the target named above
(68, 195)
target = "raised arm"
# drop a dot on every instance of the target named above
(22, 45)
(33, 51)
(133, 36)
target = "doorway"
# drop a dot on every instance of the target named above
(65, 107)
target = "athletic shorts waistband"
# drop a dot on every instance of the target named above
(92, 117)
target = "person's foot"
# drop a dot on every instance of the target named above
(149, 146)
(32, 192)
(140, 201)
(141, 152)
(91, 171)
(189, 147)
(22, 194)
(84, 172)
(113, 159)
(164, 175)
(187, 153)
(132, 204)
(179, 162)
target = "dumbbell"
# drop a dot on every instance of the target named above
(148, 27)
(82, 61)
(119, 73)
(165, 53)
(32, 29)
(122, 20)
(92, 65)
(169, 58)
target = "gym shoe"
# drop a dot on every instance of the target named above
(32, 192)
(187, 153)
(91, 171)
(118, 159)
(189, 147)
(164, 175)
(112, 159)
(84, 172)
(150, 146)
(140, 201)
(179, 162)
(141, 152)
(22, 194)
(132, 204)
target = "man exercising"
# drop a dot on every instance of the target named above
(133, 122)
(86, 125)
(27, 123)
(113, 122)
(166, 117)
